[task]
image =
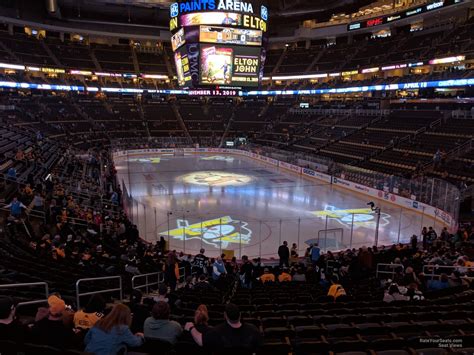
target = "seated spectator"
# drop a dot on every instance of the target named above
(112, 334)
(231, 335)
(162, 294)
(299, 276)
(10, 328)
(267, 276)
(439, 284)
(336, 290)
(414, 293)
(86, 318)
(11, 174)
(393, 294)
(140, 312)
(159, 326)
(201, 319)
(52, 330)
(284, 276)
(203, 284)
(410, 277)
(19, 155)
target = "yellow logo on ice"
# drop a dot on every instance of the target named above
(215, 231)
(360, 216)
(216, 178)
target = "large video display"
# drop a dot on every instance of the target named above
(229, 65)
(219, 42)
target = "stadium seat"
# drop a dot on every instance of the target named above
(275, 347)
(268, 322)
(387, 344)
(431, 351)
(156, 346)
(349, 345)
(341, 330)
(310, 331)
(326, 319)
(188, 347)
(279, 333)
(300, 320)
(9, 347)
(37, 349)
(312, 347)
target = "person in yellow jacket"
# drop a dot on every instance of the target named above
(267, 276)
(336, 290)
(284, 276)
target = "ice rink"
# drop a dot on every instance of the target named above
(229, 202)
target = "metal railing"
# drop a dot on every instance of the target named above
(391, 272)
(93, 279)
(430, 270)
(160, 278)
(30, 284)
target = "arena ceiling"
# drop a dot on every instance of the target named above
(155, 12)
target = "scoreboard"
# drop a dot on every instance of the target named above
(219, 42)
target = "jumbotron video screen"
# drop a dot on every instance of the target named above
(219, 43)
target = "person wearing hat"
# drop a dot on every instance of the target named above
(51, 330)
(10, 328)
(267, 276)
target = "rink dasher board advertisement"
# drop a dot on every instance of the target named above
(413, 205)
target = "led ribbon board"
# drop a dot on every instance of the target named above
(232, 92)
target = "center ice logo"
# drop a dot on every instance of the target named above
(362, 216)
(216, 232)
(216, 178)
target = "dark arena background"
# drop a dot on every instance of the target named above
(280, 177)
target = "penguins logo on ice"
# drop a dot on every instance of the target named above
(223, 230)
(362, 216)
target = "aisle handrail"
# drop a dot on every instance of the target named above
(385, 272)
(429, 270)
(29, 284)
(79, 295)
(160, 279)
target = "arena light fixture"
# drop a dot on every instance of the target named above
(12, 66)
